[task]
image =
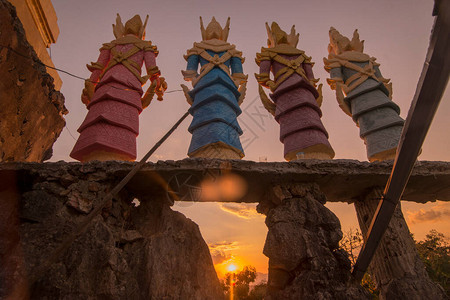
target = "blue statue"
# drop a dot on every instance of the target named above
(217, 92)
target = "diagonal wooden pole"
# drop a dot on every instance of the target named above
(81, 228)
(431, 86)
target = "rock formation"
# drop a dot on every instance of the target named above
(397, 268)
(31, 111)
(128, 252)
(150, 251)
(302, 244)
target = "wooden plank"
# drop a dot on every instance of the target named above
(431, 86)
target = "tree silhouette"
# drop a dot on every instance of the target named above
(241, 285)
(435, 253)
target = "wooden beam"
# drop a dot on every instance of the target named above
(431, 86)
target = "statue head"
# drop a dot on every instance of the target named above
(133, 26)
(340, 44)
(277, 36)
(214, 30)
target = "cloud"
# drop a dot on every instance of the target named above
(219, 251)
(435, 214)
(241, 210)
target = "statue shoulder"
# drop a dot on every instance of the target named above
(332, 62)
(107, 46)
(148, 46)
(195, 50)
(235, 53)
(307, 59)
(265, 54)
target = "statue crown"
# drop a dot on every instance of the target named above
(339, 43)
(277, 36)
(214, 30)
(132, 26)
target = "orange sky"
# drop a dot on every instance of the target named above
(396, 32)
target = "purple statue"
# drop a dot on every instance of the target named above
(296, 101)
(113, 95)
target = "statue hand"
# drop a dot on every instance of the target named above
(88, 92)
(271, 85)
(161, 87)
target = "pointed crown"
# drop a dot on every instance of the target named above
(214, 30)
(339, 43)
(132, 26)
(277, 36)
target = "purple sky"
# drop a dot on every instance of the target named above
(395, 32)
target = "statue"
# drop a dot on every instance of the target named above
(296, 101)
(364, 94)
(216, 94)
(113, 94)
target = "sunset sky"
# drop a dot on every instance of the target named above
(395, 32)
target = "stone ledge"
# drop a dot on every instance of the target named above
(340, 180)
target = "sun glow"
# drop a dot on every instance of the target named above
(231, 267)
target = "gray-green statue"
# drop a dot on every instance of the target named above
(364, 94)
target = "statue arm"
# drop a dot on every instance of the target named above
(336, 82)
(385, 81)
(97, 69)
(236, 65)
(263, 77)
(159, 85)
(308, 70)
(237, 72)
(150, 64)
(191, 69)
(309, 73)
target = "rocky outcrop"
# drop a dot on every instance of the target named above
(31, 111)
(396, 266)
(150, 251)
(305, 261)
(127, 252)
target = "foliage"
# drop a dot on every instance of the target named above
(435, 253)
(258, 292)
(240, 283)
(352, 242)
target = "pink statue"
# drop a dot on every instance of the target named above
(113, 95)
(296, 101)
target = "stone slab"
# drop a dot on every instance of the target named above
(340, 180)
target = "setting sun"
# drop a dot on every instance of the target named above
(231, 267)
(233, 264)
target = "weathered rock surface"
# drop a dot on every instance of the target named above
(128, 252)
(302, 244)
(396, 266)
(124, 253)
(340, 180)
(31, 111)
